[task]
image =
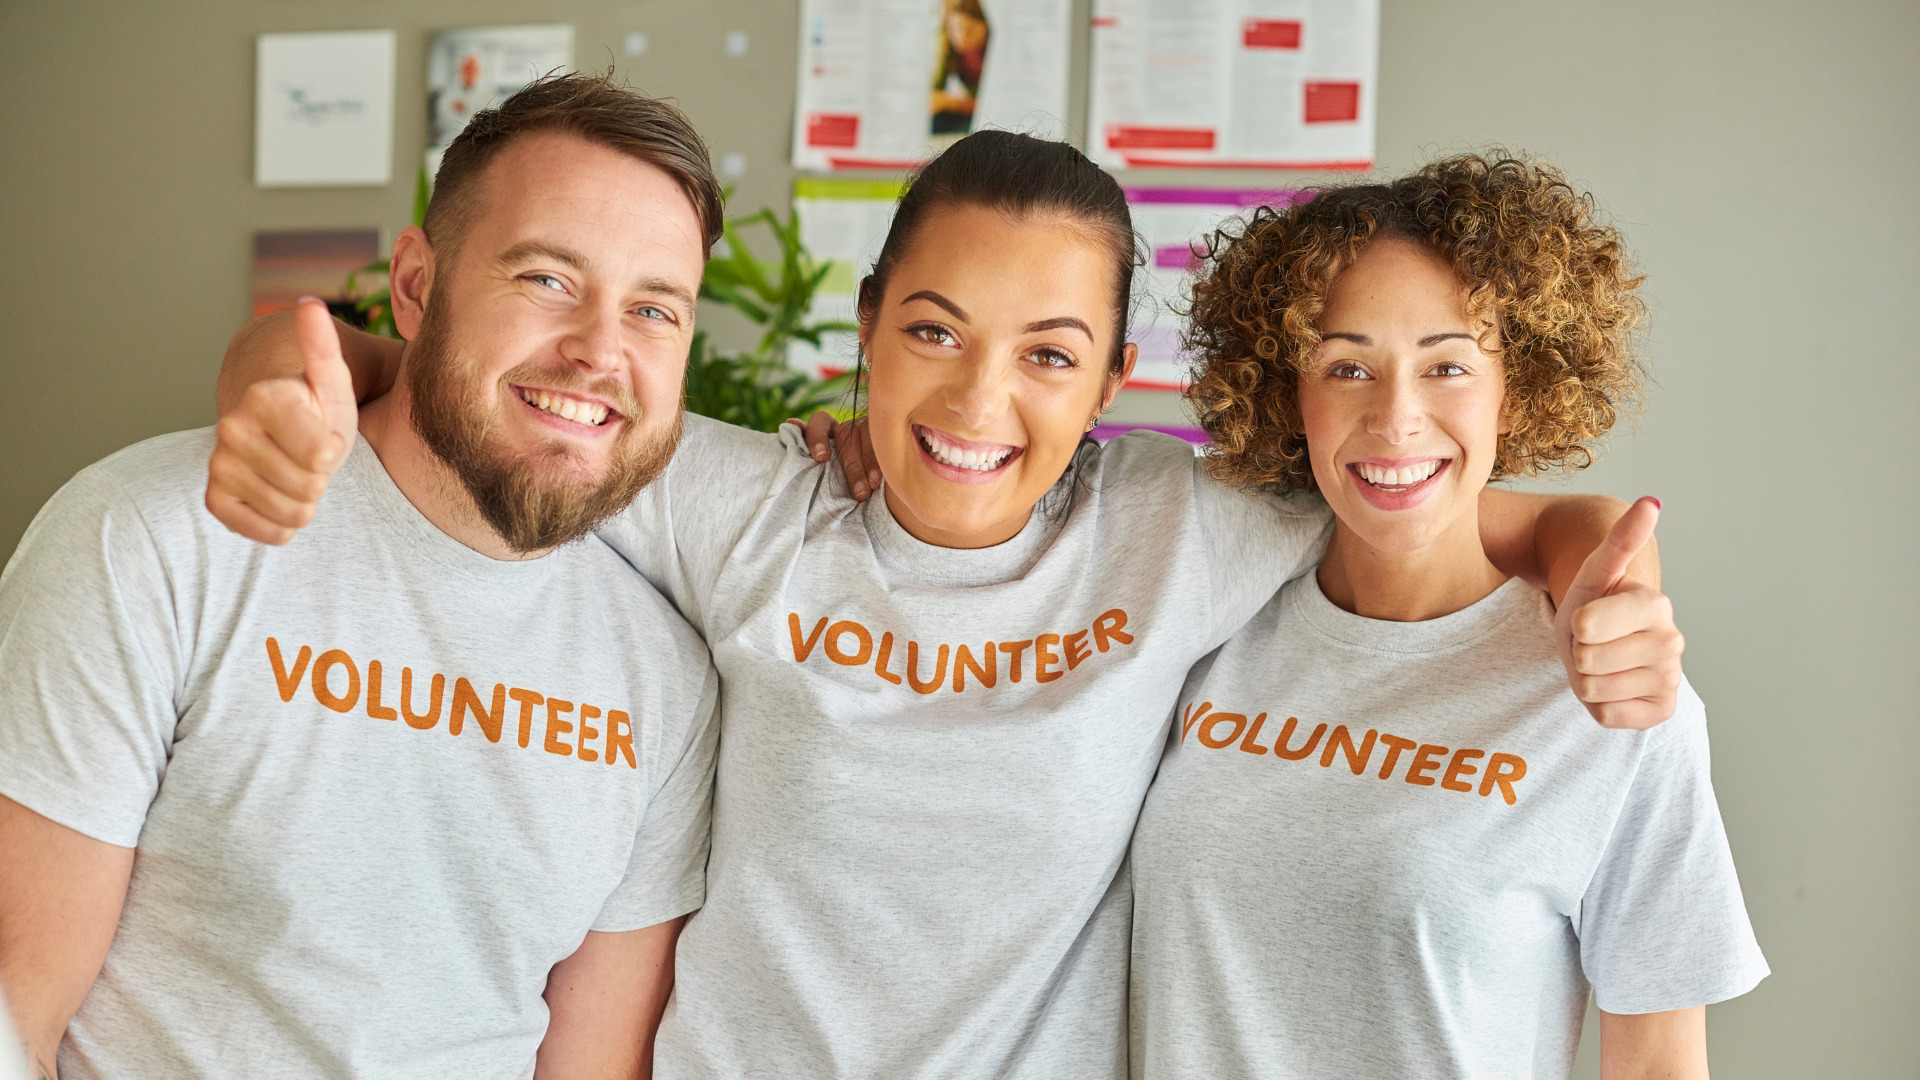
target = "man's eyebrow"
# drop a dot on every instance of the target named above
(1059, 322)
(934, 297)
(668, 287)
(1434, 339)
(528, 250)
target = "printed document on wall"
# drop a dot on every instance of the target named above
(886, 84)
(843, 222)
(1234, 83)
(323, 109)
(1176, 224)
(472, 69)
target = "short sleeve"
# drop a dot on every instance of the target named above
(667, 871)
(1662, 924)
(1255, 543)
(682, 528)
(90, 663)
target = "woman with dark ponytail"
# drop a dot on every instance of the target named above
(941, 709)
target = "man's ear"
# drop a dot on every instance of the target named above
(1129, 356)
(410, 280)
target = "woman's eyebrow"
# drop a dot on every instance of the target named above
(933, 297)
(1357, 339)
(1058, 322)
(1434, 339)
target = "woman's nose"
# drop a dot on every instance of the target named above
(1398, 414)
(978, 394)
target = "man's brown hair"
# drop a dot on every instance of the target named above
(593, 108)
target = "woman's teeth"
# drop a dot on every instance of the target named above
(975, 460)
(1407, 477)
(566, 408)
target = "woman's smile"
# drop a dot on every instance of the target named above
(964, 461)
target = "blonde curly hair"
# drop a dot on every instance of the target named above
(1526, 245)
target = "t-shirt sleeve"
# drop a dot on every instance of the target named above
(680, 530)
(1662, 924)
(1254, 543)
(667, 871)
(90, 663)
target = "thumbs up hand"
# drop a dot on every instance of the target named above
(1617, 636)
(277, 450)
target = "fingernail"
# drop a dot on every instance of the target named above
(819, 450)
(859, 491)
(1654, 501)
(873, 479)
(308, 297)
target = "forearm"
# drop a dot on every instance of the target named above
(266, 349)
(1544, 539)
(1654, 1046)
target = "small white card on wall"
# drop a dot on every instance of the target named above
(323, 109)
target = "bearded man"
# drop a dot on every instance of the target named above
(426, 790)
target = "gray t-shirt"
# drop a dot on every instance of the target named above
(379, 784)
(1403, 849)
(932, 759)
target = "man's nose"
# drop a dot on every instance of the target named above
(597, 341)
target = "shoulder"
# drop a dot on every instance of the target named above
(647, 620)
(1144, 455)
(160, 482)
(1682, 737)
(711, 450)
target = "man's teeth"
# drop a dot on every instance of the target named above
(566, 408)
(1412, 474)
(976, 460)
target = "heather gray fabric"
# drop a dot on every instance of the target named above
(343, 870)
(1298, 916)
(931, 759)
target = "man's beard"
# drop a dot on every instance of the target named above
(530, 507)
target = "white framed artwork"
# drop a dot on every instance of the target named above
(323, 109)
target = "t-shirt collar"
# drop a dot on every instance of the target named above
(899, 550)
(364, 471)
(1303, 595)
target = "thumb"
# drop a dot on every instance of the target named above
(326, 370)
(1604, 568)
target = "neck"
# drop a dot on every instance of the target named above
(426, 481)
(948, 538)
(1439, 579)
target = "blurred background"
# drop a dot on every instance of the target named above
(1761, 158)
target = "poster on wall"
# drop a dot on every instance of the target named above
(323, 109)
(291, 263)
(1224, 84)
(1175, 224)
(844, 221)
(472, 69)
(885, 84)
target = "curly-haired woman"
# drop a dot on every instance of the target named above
(1385, 841)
